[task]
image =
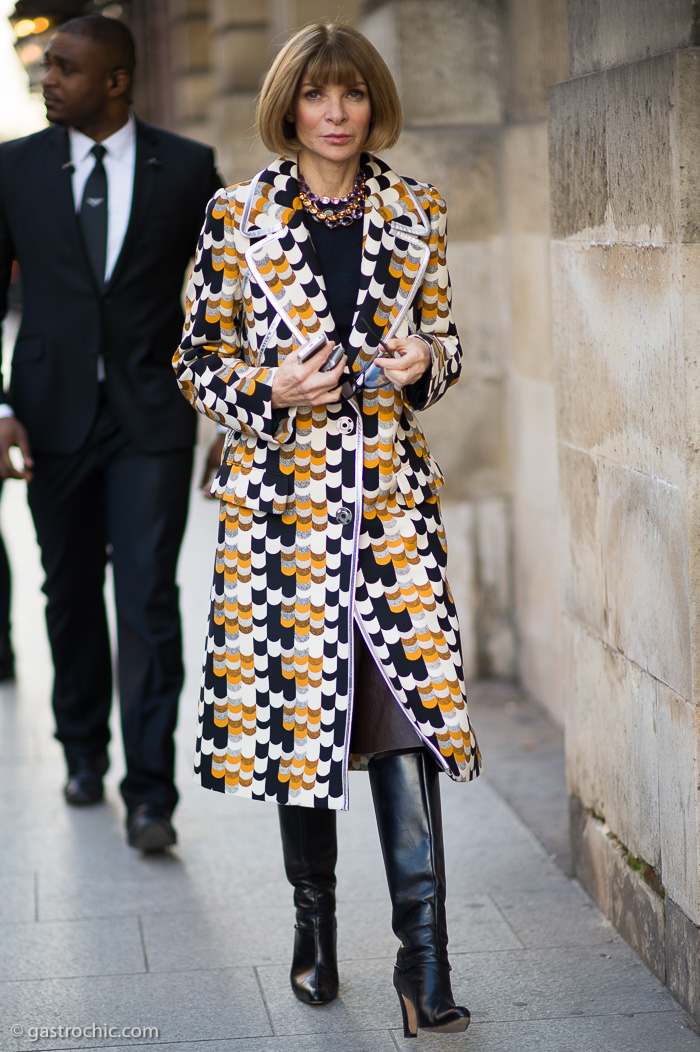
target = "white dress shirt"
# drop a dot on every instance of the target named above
(120, 162)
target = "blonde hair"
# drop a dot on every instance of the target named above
(327, 53)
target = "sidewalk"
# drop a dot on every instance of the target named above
(198, 944)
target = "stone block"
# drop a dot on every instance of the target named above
(533, 439)
(463, 163)
(683, 958)
(530, 306)
(526, 178)
(578, 158)
(458, 79)
(645, 562)
(540, 672)
(688, 117)
(617, 325)
(642, 159)
(466, 433)
(478, 308)
(239, 12)
(678, 728)
(241, 56)
(192, 97)
(603, 868)
(188, 8)
(603, 35)
(537, 603)
(240, 152)
(190, 45)
(538, 54)
(611, 745)
(494, 618)
(378, 24)
(458, 518)
(625, 152)
(580, 540)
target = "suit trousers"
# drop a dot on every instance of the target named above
(112, 501)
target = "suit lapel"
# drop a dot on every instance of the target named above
(58, 187)
(147, 165)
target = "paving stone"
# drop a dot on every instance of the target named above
(71, 948)
(17, 896)
(545, 984)
(560, 916)
(194, 1007)
(643, 1032)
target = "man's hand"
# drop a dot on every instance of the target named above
(12, 433)
(211, 464)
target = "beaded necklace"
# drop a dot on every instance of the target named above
(326, 210)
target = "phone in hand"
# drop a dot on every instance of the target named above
(312, 347)
(333, 358)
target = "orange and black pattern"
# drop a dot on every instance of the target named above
(329, 514)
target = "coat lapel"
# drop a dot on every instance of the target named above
(281, 256)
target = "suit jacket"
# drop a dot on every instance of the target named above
(330, 513)
(134, 322)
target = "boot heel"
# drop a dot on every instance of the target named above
(408, 1014)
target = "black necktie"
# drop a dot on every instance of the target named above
(93, 215)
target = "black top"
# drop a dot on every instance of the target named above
(339, 253)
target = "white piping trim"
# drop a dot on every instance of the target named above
(359, 505)
(269, 295)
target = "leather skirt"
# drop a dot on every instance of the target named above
(378, 721)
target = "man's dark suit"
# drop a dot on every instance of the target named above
(112, 459)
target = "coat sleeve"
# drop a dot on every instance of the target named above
(433, 314)
(213, 364)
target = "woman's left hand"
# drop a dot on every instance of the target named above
(411, 359)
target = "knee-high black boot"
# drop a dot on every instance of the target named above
(406, 798)
(310, 852)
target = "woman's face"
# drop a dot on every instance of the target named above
(332, 120)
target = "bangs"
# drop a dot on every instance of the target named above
(332, 64)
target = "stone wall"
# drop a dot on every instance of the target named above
(625, 171)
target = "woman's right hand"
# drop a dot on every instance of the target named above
(297, 383)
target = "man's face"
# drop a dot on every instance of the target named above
(77, 80)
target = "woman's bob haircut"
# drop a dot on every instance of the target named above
(327, 53)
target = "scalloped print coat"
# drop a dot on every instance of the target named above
(329, 514)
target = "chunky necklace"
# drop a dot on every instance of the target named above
(326, 210)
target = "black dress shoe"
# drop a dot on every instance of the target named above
(84, 785)
(148, 828)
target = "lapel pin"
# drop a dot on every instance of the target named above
(153, 162)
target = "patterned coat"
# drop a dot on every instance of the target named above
(329, 514)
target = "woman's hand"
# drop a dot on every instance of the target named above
(412, 358)
(305, 384)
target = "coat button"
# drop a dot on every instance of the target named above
(346, 425)
(344, 516)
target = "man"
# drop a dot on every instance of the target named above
(102, 212)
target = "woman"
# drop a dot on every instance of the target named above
(333, 639)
